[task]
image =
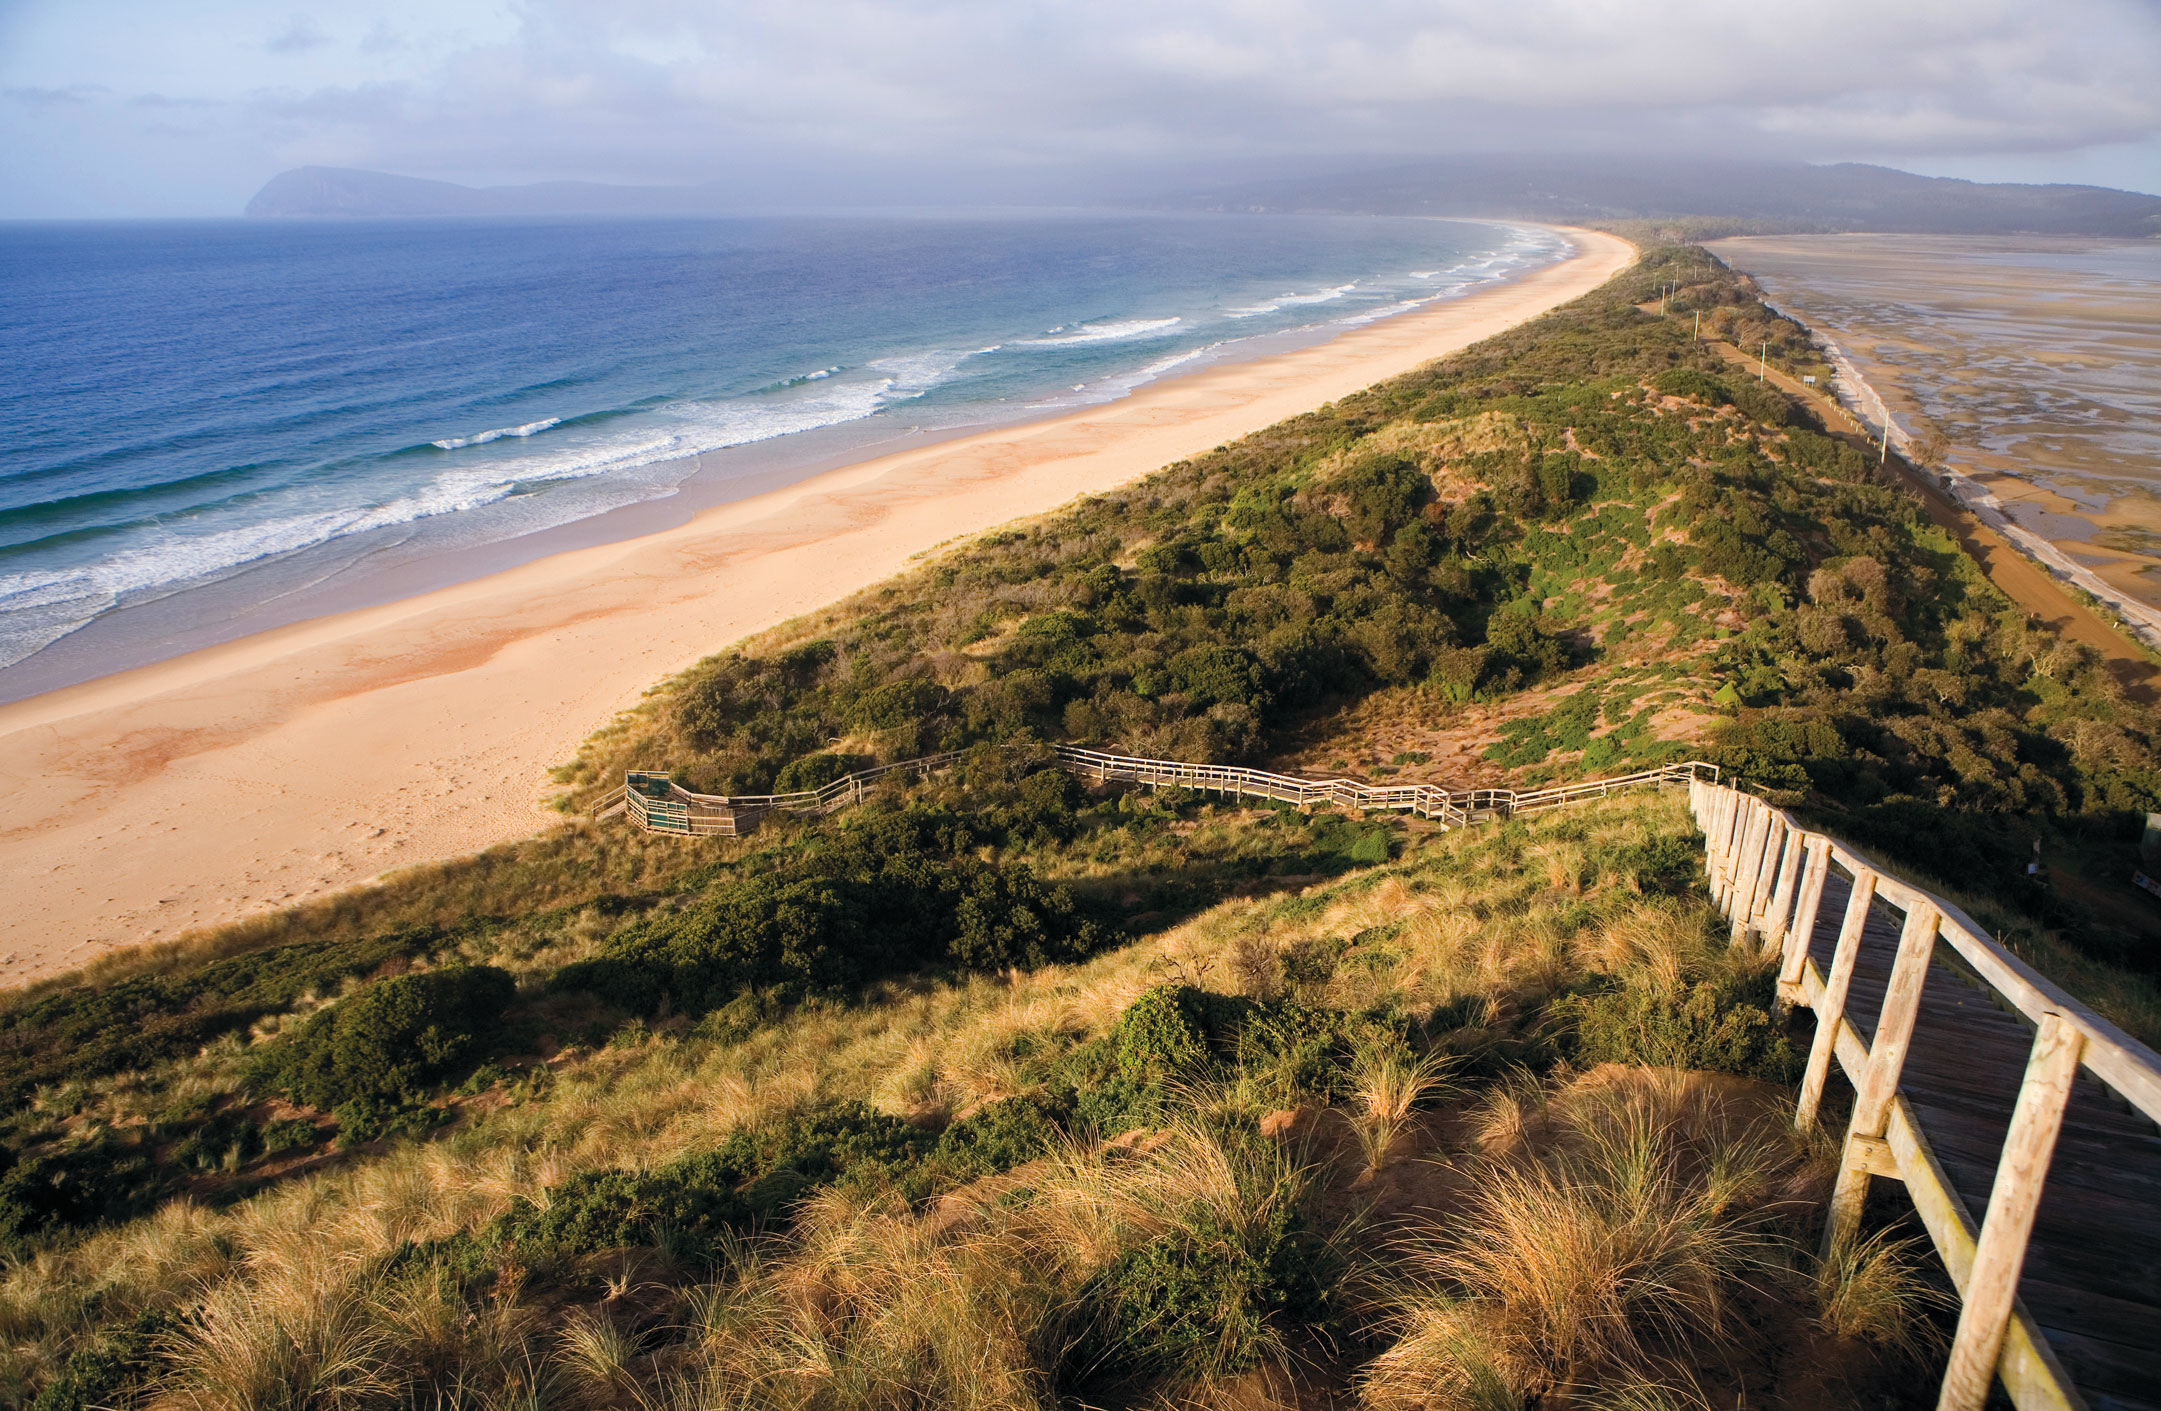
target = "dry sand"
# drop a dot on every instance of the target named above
(304, 761)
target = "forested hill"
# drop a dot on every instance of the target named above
(1592, 512)
(1714, 196)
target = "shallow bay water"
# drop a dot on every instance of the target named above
(2039, 359)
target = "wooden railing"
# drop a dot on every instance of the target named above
(1768, 875)
(655, 802)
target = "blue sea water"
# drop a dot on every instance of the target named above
(255, 405)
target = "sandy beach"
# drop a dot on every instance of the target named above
(301, 762)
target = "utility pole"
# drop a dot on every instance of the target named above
(1697, 331)
(1763, 355)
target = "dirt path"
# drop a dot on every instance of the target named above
(2022, 580)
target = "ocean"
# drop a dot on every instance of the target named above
(219, 426)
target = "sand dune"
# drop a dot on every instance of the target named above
(304, 761)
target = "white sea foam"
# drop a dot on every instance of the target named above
(1387, 311)
(531, 428)
(1126, 382)
(1294, 301)
(40, 606)
(913, 374)
(1106, 331)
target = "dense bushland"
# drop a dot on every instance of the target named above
(868, 897)
(393, 1040)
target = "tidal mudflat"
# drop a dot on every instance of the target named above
(2038, 359)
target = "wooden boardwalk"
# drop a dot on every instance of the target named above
(2022, 1125)
(657, 804)
(2092, 1275)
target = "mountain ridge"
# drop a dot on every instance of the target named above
(1767, 197)
(1704, 198)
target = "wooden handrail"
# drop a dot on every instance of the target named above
(677, 810)
(1996, 1335)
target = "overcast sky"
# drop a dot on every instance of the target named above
(185, 107)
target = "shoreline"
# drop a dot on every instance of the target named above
(296, 763)
(379, 565)
(1865, 403)
(1964, 479)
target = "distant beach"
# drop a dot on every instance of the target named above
(216, 429)
(297, 762)
(2037, 359)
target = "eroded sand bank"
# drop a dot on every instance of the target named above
(307, 760)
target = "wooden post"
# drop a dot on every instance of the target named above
(1725, 805)
(1714, 844)
(1754, 853)
(1729, 830)
(1758, 900)
(1747, 853)
(1985, 1305)
(1831, 1006)
(1803, 931)
(1730, 852)
(1879, 1081)
(1780, 914)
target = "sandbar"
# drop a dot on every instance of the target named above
(300, 762)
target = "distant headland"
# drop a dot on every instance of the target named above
(1694, 200)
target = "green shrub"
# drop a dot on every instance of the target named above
(110, 1369)
(1205, 1299)
(48, 1191)
(755, 1175)
(813, 771)
(882, 894)
(1164, 1035)
(1663, 866)
(366, 1118)
(393, 1040)
(1723, 1024)
(1000, 1136)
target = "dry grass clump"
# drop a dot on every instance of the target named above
(989, 1301)
(1655, 941)
(1873, 1289)
(1389, 1084)
(1613, 1225)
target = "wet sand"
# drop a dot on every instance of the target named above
(297, 763)
(2039, 359)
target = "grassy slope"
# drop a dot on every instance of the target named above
(1572, 550)
(989, 1297)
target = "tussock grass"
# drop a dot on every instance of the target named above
(1466, 927)
(1874, 1289)
(1390, 1084)
(982, 1302)
(1614, 1222)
